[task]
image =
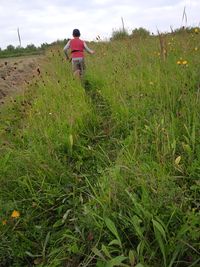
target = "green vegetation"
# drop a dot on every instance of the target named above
(30, 49)
(119, 35)
(140, 32)
(12, 51)
(105, 174)
(136, 33)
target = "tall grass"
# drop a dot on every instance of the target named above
(107, 175)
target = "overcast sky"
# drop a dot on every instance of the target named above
(42, 21)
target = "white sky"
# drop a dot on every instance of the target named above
(42, 21)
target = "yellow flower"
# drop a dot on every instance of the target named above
(15, 214)
(184, 62)
(196, 30)
(196, 48)
(158, 54)
(4, 222)
(151, 83)
(178, 62)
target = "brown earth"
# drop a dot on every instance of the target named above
(15, 73)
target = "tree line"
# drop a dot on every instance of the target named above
(30, 49)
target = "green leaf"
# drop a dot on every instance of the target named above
(4, 161)
(105, 251)
(58, 223)
(140, 247)
(117, 261)
(175, 255)
(45, 243)
(139, 265)
(193, 134)
(114, 242)
(73, 248)
(98, 253)
(136, 221)
(31, 255)
(66, 215)
(113, 229)
(187, 148)
(138, 208)
(131, 258)
(100, 264)
(159, 227)
(158, 230)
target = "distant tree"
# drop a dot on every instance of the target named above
(10, 48)
(31, 47)
(119, 34)
(44, 45)
(140, 32)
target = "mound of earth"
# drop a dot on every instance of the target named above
(15, 73)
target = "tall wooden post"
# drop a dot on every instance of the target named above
(123, 28)
(20, 44)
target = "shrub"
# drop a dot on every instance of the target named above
(140, 32)
(119, 34)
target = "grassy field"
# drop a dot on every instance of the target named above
(106, 173)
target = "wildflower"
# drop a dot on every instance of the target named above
(196, 30)
(4, 222)
(151, 83)
(182, 62)
(158, 54)
(15, 214)
(196, 48)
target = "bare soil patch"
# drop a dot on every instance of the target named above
(15, 73)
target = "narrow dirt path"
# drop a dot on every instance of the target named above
(15, 73)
